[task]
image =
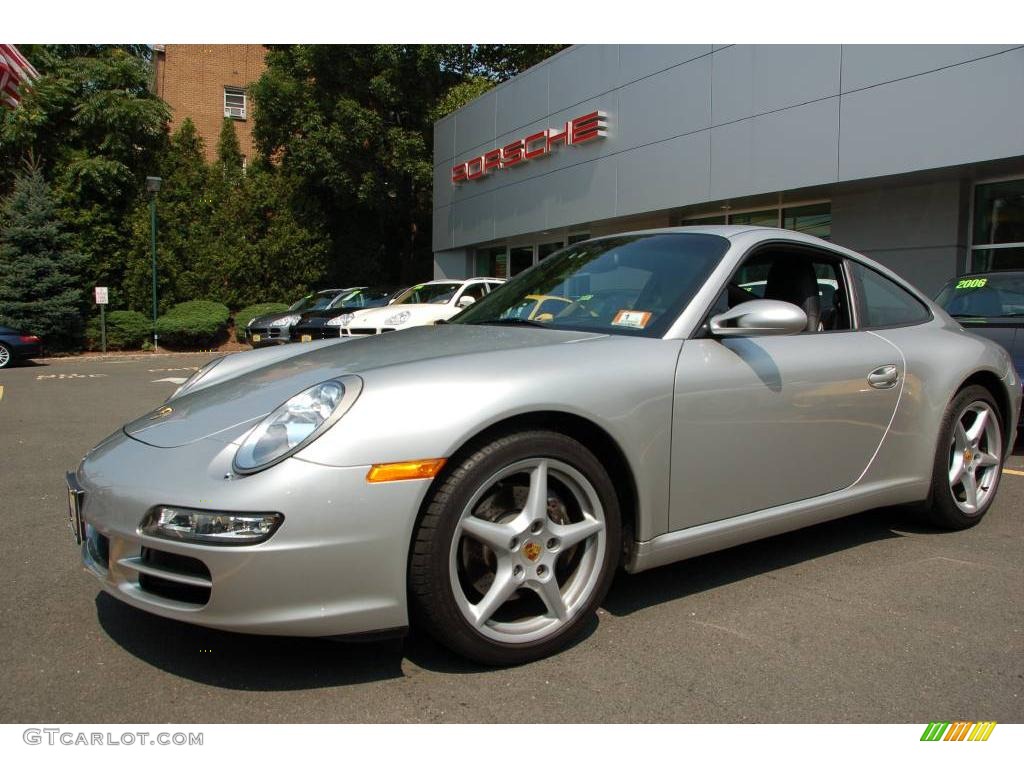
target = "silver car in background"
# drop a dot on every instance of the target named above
(486, 478)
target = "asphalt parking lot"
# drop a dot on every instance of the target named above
(874, 618)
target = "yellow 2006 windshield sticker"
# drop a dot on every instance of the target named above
(631, 318)
(974, 282)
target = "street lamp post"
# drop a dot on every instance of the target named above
(153, 186)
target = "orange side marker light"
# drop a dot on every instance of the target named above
(421, 469)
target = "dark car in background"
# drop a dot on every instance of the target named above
(324, 323)
(990, 304)
(267, 330)
(15, 345)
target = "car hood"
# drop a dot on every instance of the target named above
(226, 410)
(377, 315)
(263, 320)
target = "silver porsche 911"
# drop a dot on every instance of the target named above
(674, 392)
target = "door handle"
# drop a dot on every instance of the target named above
(884, 377)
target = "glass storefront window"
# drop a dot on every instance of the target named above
(999, 213)
(520, 258)
(810, 219)
(767, 218)
(546, 249)
(997, 236)
(492, 262)
(705, 221)
(578, 237)
(997, 259)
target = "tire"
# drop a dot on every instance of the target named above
(6, 356)
(966, 450)
(500, 578)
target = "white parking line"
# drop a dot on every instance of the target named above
(172, 379)
(44, 376)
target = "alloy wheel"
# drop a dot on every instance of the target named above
(975, 457)
(528, 550)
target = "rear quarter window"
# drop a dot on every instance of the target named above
(884, 303)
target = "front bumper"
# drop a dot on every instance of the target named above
(314, 333)
(367, 330)
(267, 336)
(336, 565)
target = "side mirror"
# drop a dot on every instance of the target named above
(760, 317)
(465, 301)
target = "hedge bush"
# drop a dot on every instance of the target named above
(125, 330)
(194, 324)
(245, 315)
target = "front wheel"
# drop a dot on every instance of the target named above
(968, 461)
(516, 549)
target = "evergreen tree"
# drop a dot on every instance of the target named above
(41, 287)
(229, 153)
(185, 207)
(353, 126)
(98, 131)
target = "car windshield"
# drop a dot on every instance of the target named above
(314, 301)
(992, 295)
(633, 284)
(429, 293)
(361, 298)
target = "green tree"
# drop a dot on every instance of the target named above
(40, 272)
(353, 125)
(185, 207)
(224, 235)
(97, 131)
(229, 153)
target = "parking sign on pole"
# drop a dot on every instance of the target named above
(102, 300)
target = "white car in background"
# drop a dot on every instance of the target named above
(423, 304)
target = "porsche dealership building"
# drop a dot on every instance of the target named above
(912, 154)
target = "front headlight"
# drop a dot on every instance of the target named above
(399, 318)
(342, 320)
(194, 379)
(205, 527)
(296, 423)
(283, 321)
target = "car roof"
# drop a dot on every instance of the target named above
(464, 282)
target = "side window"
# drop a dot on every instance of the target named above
(811, 281)
(882, 302)
(477, 291)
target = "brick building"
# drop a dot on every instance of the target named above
(208, 83)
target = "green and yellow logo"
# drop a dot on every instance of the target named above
(958, 731)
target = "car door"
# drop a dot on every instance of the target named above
(761, 422)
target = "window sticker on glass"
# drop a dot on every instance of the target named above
(631, 318)
(977, 282)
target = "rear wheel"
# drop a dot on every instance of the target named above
(968, 461)
(6, 358)
(516, 549)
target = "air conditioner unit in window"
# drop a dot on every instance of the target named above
(238, 112)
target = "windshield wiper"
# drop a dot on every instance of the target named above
(511, 321)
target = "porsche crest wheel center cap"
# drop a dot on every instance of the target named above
(531, 551)
(968, 456)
